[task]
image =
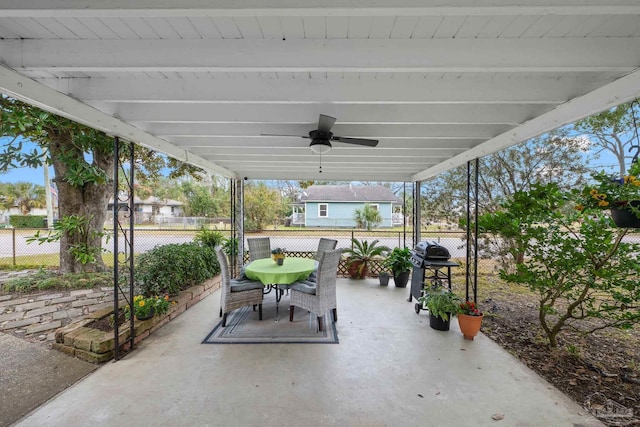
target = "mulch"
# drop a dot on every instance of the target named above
(600, 371)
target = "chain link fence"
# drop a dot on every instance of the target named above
(16, 251)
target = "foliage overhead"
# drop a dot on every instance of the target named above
(615, 131)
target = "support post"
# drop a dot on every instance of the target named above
(417, 219)
(127, 234)
(471, 276)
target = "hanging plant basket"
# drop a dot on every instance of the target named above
(625, 218)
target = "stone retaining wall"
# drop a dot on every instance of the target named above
(96, 346)
(38, 315)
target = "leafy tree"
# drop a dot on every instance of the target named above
(262, 204)
(577, 262)
(204, 200)
(553, 158)
(82, 160)
(614, 131)
(367, 217)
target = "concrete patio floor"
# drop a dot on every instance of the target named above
(389, 369)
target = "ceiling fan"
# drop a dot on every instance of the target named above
(321, 138)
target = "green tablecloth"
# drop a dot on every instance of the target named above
(268, 271)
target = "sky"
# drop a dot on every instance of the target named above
(36, 176)
(32, 175)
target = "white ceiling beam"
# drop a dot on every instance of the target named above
(288, 143)
(17, 86)
(366, 131)
(496, 89)
(622, 90)
(345, 113)
(369, 55)
(413, 155)
(150, 8)
(417, 89)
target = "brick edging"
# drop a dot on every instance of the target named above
(95, 346)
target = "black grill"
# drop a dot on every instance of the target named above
(428, 259)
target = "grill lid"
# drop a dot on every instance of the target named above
(431, 250)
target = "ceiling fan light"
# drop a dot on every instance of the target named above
(320, 146)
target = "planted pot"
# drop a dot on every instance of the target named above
(469, 325)
(438, 323)
(152, 313)
(401, 279)
(357, 270)
(624, 217)
(384, 279)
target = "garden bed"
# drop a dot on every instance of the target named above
(88, 340)
(600, 372)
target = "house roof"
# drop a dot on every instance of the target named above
(210, 82)
(348, 193)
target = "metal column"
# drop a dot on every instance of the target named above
(122, 286)
(471, 278)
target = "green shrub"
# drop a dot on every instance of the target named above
(46, 279)
(26, 283)
(209, 238)
(49, 283)
(27, 221)
(168, 269)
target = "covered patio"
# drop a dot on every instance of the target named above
(390, 369)
(438, 85)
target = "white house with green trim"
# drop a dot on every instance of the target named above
(334, 206)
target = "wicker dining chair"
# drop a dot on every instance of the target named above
(325, 245)
(259, 247)
(320, 296)
(236, 293)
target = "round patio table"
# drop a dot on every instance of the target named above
(270, 273)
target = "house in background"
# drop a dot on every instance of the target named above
(152, 209)
(335, 205)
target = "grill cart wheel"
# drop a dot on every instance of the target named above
(418, 308)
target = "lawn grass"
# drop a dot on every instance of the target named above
(28, 262)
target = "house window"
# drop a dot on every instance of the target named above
(323, 210)
(374, 207)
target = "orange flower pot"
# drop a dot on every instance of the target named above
(469, 325)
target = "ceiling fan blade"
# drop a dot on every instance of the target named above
(325, 123)
(280, 134)
(356, 141)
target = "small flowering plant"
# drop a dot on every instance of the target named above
(608, 191)
(469, 308)
(278, 251)
(142, 306)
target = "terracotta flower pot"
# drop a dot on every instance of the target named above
(469, 325)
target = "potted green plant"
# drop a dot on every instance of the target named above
(441, 303)
(384, 276)
(360, 255)
(399, 262)
(278, 255)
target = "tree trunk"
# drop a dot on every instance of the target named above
(89, 200)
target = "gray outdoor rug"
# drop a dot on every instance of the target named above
(244, 327)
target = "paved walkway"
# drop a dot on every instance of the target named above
(390, 369)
